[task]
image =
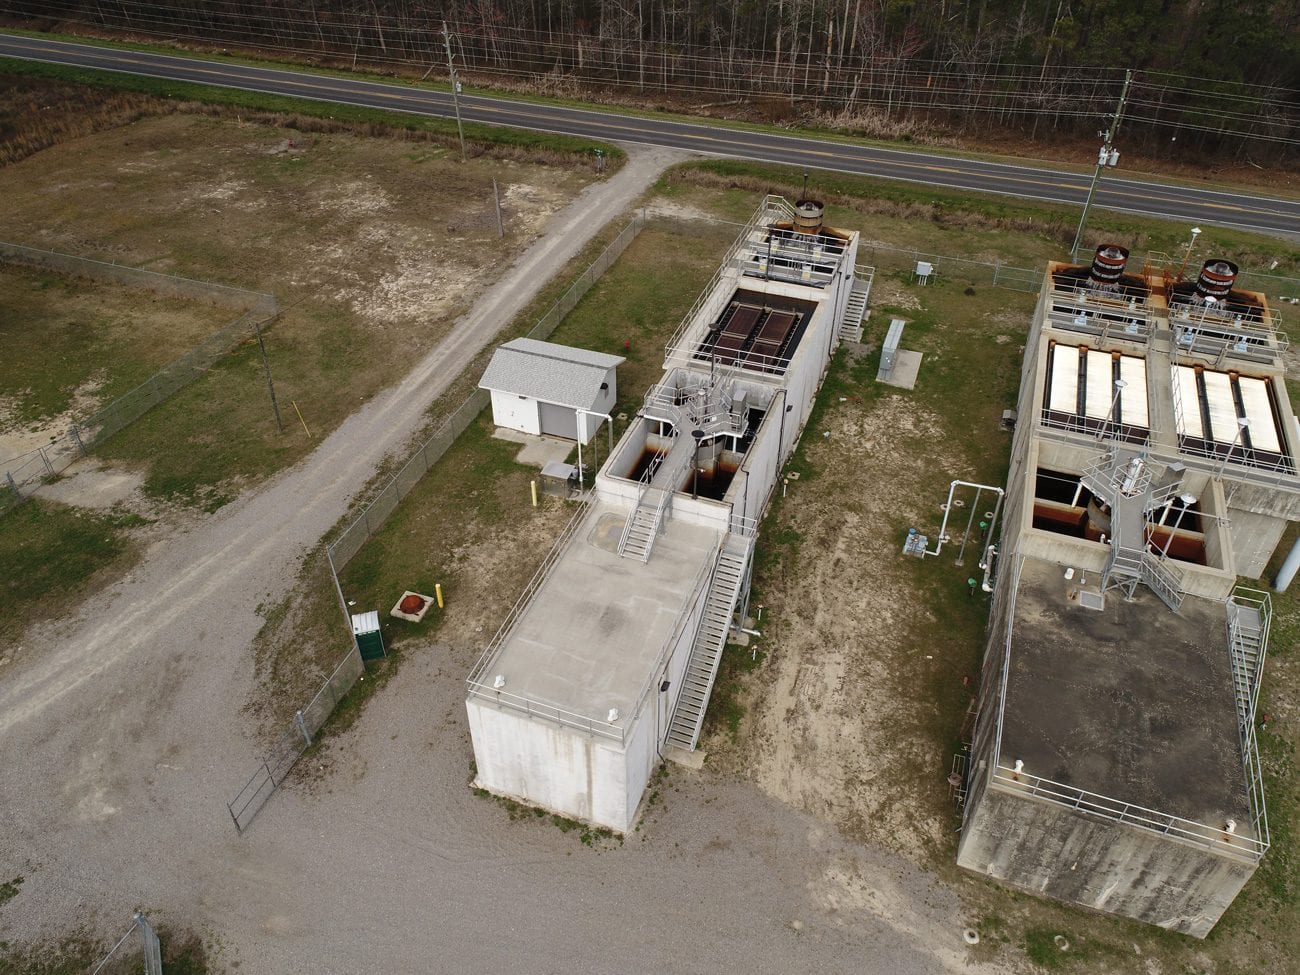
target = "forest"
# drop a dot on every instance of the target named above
(1216, 78)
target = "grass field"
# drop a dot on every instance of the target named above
(52, 555)
(72, 341)
(373, 245)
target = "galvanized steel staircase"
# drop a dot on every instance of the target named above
(856, 307)
(1121, 479)
(644, 524)
(706, 408)
(706, 653)
(1247, 643)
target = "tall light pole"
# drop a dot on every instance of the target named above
(455, 88)
(1106, 156)
(1196, 232)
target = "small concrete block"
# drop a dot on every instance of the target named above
(687, 759)
(412, 617)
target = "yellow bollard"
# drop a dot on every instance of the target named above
(437, 591)
(534, 494)
(300, 419)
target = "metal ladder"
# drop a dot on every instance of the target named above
(725, 586)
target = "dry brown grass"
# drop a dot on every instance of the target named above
(932, 212)
(35, 115)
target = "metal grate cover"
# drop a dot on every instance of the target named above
(1092, 600)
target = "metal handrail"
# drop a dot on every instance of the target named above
(683, 619)
(534, 584)
(559, 715)
(1094, 427)
(1131, 814)
(728, 263)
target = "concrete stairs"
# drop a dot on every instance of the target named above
(851, 323)
(706, 653)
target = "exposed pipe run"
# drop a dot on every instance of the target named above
(952, 490)
(1285, 574)
(986, 564)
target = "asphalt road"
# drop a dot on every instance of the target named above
(1187, 204)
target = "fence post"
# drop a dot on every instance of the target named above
(152, 948)
(49, 468)
(18, 495)
(75, 433)
(301, 722)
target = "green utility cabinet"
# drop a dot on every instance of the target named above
(370, 641)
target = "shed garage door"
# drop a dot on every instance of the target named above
(558, 421)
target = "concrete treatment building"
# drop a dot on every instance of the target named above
(610, 655)
(1114, 761)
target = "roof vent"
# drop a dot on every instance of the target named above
(1216, 280)
(1108, 264)
(808, 216)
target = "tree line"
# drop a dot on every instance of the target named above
(1213, 77)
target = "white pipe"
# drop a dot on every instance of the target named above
(579, 411)
(989, 555)
(1285, 574)
(952, 488)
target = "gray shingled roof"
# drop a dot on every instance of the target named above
(548, 372)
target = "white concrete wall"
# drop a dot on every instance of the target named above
(702, 511)
(1254, 538)
(561, 769)
(757, 476)
(1106, 866)
(514, 412)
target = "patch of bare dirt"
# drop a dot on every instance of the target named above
(886, 293)
(824, 715)
(20, 439)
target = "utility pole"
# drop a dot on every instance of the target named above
(455, 88)
(270, 383)
(1106, 156)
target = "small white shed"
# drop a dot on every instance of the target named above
(544, 388)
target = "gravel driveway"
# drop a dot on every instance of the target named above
(121, 740)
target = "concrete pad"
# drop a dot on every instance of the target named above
(412, 617)
(906, 367)
(686, 759)
(536, 451)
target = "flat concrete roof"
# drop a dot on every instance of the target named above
(1134, 701)
(593, 632)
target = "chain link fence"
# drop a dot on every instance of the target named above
(958, 268)
(150, 948)
(282, 756)
(223, 295)
(25, 472)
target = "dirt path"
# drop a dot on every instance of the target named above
(121, 741)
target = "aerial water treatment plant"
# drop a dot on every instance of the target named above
(609, 658)
(1114, 761)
